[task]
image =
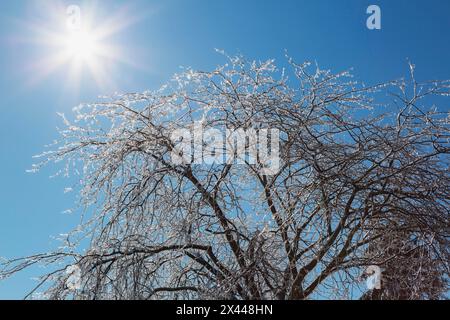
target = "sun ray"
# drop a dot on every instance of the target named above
(84, 51)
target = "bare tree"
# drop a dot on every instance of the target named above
(363, 180)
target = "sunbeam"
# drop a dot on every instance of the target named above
(87, 49)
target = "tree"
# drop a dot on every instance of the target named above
(363, 180)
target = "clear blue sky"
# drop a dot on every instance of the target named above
(163, 36)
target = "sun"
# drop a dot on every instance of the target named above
(79, 54)
(81, 45)
(84, 51)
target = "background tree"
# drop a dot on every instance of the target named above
(411, 269)
(363, 181)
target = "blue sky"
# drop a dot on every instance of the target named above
(161, 37)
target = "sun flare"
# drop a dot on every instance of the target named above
(83, 53)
